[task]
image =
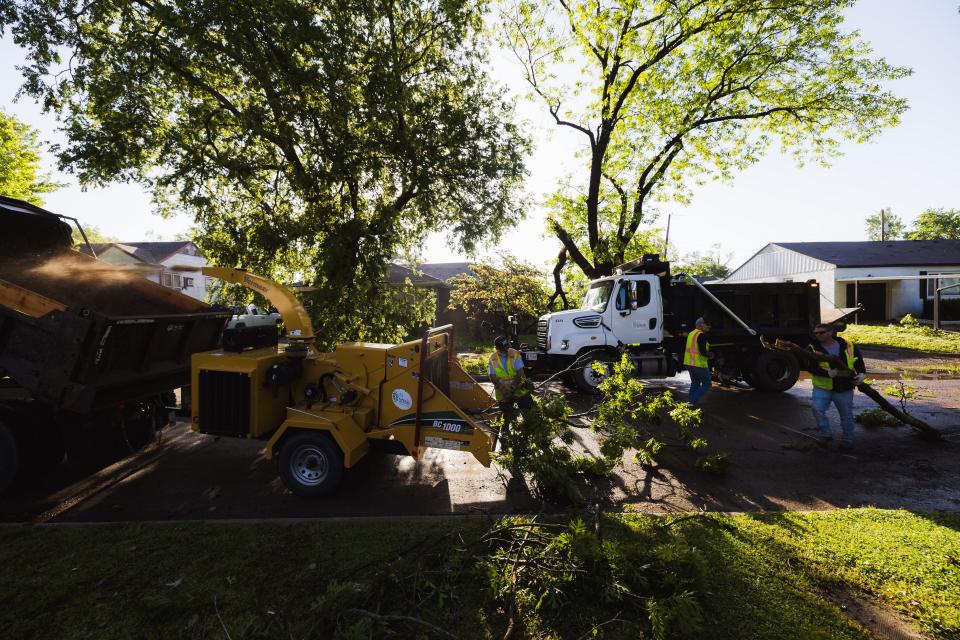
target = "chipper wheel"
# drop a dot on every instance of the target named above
(311, 464)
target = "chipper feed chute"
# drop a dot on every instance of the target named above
(322, 412)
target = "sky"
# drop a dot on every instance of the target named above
(910, 168)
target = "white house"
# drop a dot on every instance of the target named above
(173, 264)
(890, 279)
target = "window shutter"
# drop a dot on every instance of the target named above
(923, 286)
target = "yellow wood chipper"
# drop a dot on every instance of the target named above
(321, 412)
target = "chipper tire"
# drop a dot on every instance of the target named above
(585, 378)
(311, 464)
(775, 371)
(9, 458)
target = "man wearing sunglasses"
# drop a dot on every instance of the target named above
(832, 385)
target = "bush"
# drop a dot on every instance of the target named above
(474, 366)
(909, 321)
(872, 418)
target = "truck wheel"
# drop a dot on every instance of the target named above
(9, 458)
(775, 371)
(311, 465)
(584, 377)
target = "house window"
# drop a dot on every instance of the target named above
(172, 280)
(187, 283)
(943, 280)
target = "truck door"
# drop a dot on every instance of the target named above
(637, 311)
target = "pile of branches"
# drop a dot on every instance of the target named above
(520, 577)
(539, 442)
(568, 575)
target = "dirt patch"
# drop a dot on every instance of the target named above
(868, 611)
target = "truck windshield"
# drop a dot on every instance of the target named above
(597, 296)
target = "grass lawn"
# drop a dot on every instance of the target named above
(762, 576)
(916, 338)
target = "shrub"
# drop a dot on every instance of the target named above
(872, 418)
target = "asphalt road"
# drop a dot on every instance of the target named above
(774, 465)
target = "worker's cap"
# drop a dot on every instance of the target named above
(501, 343)
(701, 321)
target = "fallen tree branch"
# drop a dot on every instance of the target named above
(838, 363)
(399, 618)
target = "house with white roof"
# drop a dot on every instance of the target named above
(889, 278)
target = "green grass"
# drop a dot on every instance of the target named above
(916, 338)
(944, 369)
(764, 576)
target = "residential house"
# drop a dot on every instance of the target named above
(436, 276)
(890, 279)
(173, 264)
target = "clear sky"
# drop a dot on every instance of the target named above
(909, 168)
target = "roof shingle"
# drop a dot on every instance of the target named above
(892, 253)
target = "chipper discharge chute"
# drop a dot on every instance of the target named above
(322, 412)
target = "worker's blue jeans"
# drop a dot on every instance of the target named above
(843, 400)
(700, 380)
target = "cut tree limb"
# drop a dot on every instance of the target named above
(838, 363)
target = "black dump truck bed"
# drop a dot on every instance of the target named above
(778, 309)
(80, 334)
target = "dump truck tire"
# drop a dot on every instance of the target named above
(775, 371)
(584, 377)
(9, 458)
(311, 464)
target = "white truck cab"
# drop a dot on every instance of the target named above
(617, 312)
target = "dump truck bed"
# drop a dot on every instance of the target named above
(80, 334)
(787, 310)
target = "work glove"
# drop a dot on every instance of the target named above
(833, 372)
(861, 377)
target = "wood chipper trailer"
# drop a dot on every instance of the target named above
(87, 349)
(322, 412)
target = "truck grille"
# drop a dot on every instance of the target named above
(224, 401)
(542, 335)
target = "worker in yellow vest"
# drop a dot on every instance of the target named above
(506, 373)
(696, 360)
(831, 385)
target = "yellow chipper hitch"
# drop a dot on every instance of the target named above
(322, 412)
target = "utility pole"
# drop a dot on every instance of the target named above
(883, 225)
(666, 241)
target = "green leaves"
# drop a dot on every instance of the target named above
(311, 141)
(671, 94)
(20, 175)
(510, 286)
(936, 224)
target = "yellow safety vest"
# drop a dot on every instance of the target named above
(692, 356)
(826, 382)
(507, 373)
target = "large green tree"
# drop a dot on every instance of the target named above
(668, 93)
(310, 139)
(20, 171)
(502, 288)
(936, 224)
